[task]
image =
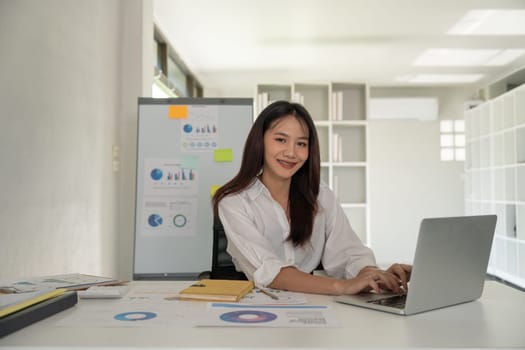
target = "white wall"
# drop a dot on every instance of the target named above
(230, 92)
(407, 183)
(407, 179)
(63, 109)
(136, 68)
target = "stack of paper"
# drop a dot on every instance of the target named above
(73, 281)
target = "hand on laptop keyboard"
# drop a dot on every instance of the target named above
(402, 271)
(395, 279)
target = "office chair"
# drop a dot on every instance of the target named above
(222, 266)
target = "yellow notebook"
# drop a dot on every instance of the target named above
(217, 290)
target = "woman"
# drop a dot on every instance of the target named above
(281, 222)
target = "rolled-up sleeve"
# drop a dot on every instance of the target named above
(251, 251)
(344, 255)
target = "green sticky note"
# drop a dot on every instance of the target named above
(189, 162)
(223, 155)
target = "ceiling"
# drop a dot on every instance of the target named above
(236, 44)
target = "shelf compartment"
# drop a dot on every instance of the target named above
(314, 98)
(497, 115)
(349, 101)
(276, 92)
(484, 148)
(475, 152)
(510, 180)
(497, 150)
(324, 145)
(509, 147)
(484, 120)
(475, 121)
(519, 100)
(520, 144)
(520, 184)
(499, 184)
(468, 156)
(510, 220)
(349, 184)
(468, 125)
(508, 111)
(520, 224)
(267, 94)
(349, 144)
(521, 261)
(486, 184)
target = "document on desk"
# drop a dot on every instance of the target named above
(116, 313)
(297, 316)
(142, 306)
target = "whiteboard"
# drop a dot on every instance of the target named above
(186, 148)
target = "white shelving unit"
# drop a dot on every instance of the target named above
(339, 111)
(495, 178)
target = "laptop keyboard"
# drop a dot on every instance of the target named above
(397, 301)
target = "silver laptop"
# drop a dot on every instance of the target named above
(449, 267)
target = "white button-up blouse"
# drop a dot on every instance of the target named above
(256, 227)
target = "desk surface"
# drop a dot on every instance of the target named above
(494, 321)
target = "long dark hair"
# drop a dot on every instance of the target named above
(304, 187)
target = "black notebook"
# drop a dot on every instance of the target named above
(36, 312)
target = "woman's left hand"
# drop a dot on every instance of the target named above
(402, 271)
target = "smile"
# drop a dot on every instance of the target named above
(287, 165)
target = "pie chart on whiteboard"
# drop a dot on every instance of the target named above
(155, 220)
(180, 220)
(156, 174)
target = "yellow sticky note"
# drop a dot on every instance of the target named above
(213, 189)
(178, 112)
(223, 155)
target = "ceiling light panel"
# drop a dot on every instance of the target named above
(439, 78)
(504, 57)
(465, 57)
(490, 22)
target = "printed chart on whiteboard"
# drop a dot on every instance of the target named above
(200, 131)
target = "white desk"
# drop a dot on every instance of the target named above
(494, 321)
